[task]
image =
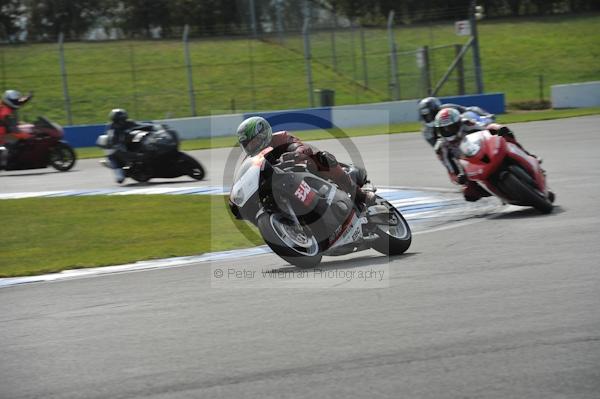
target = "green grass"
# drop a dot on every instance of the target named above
(42, 235)
(321, 134)
(149, 78)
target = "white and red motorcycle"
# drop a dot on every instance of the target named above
(303, 217)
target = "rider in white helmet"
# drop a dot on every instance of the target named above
(452, 128)
(430, 106)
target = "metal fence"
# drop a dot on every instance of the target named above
(80, 82)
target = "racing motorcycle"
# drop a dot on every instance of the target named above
(505, 170)
(303, 217)
(154, 152)
(42, 146)
(476, 121)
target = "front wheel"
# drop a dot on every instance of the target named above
(139, 171)
(192, 167)
(292, 243)
(395, 236)
(527, 194)
(62, 157)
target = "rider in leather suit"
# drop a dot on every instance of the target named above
(255, 135)
(452, 128)
(428, 109)
(12, 100)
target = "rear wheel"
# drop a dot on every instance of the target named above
(62, 157)
(394, 237)
(293, 243)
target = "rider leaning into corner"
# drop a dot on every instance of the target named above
(452, 127)
(10, 135)
(430, 106)
(255, 134)
(119, 140)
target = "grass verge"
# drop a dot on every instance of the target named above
(44, 235)
(320, 134)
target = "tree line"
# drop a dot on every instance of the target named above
(45, 19)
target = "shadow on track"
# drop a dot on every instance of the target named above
(160, 183)
(344, 264)
(48, 172)
(526, 213)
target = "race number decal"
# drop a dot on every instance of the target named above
(304, 193)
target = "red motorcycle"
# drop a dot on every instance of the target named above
(505, 170)
(41, 145)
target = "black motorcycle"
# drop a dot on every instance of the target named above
(153, 152)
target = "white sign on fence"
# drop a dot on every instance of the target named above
(420, 58)
(462, 28)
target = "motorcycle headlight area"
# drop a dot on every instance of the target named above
(470, 146)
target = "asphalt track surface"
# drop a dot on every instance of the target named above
(505, 306)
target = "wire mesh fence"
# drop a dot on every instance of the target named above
(154, 79)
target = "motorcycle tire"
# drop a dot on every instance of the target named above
(526, 193)
(267, 225)
(140, 176)
(392, 244)
(192, 167)
(138, 171)
(62, 157)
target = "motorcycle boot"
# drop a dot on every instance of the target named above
(365, 192)
(473, 191)
(364, 198)
(3, 157)
(119, 175)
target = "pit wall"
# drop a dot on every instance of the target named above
(300, 119)
(576, 95)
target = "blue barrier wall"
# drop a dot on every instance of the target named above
(493, 102)
(83, 135)
(301, 119)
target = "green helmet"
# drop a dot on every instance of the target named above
(254, 135)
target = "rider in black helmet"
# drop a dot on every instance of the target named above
(119, 140)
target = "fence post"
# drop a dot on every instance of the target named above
(354, 68)
(460, 70)
(450, 69)
(253, 18)
(541, 84)
(252, 77)
(393, 60)
(133, 80)
(333, 49)
(307, 59)
(3, 71)
(476, 58)
(363, 49)
(279, 16)
(188, 65)
(426, 69)
(63, 73)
